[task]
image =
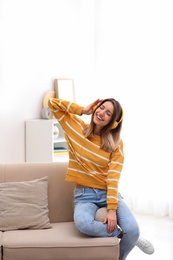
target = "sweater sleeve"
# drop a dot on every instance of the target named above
(59, 107)
(114, 173)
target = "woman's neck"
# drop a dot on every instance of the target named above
(97, 131)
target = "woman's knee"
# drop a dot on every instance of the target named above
(84, 225)
(132, 232)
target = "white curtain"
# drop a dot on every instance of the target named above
(134, 64)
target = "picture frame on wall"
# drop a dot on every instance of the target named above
(64, 89)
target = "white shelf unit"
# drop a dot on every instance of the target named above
(41, 142)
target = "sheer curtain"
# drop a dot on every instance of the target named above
(134, 64)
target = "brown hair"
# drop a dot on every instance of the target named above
(110, 134)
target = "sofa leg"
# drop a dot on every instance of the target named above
(1, 252)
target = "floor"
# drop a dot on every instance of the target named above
(160, 232)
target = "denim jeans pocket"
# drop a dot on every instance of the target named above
(78, 192)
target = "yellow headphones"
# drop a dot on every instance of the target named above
(115, 124)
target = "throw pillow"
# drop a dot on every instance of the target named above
(24, 205)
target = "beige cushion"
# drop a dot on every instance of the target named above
(101, 214)
(63, 241)
(24, 205)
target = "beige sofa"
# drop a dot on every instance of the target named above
(62, 240)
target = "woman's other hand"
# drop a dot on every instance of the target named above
(111, 220)
(89, 109)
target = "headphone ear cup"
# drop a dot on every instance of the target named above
(115, 124)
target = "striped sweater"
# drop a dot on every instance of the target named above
(89, 165)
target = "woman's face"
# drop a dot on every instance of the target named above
(103, 114)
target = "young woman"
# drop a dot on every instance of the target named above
(95, 163)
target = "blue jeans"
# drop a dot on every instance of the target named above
(87, 201)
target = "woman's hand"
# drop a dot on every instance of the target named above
(89, 109)
(111, 220)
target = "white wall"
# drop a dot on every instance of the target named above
(40, 40)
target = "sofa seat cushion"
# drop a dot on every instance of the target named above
(63, 241)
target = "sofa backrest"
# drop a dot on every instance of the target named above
(60, 192)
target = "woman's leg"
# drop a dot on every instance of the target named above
(142, 243)
(86, 203)
(129, 225)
